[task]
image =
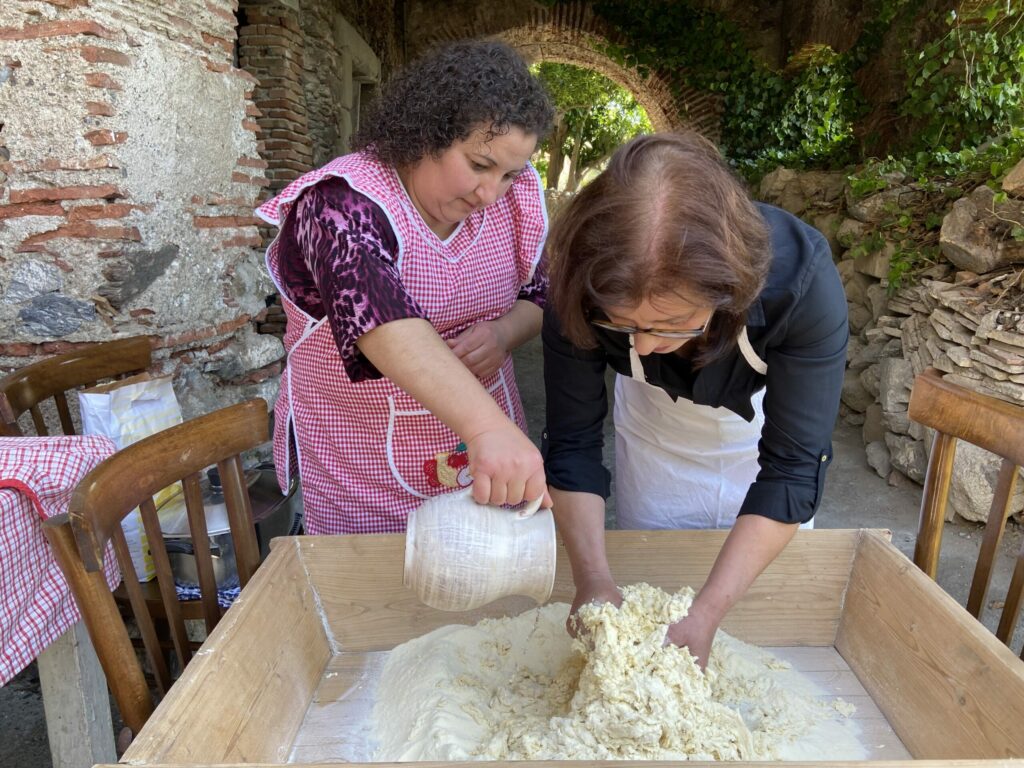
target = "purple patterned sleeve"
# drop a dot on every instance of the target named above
(350, 251)
(537, 289)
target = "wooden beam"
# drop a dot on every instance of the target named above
(76, 702)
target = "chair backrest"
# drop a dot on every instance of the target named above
(956, 413)
(129, 479)
(27, 388)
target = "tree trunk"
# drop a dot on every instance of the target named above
(556, 158)
(578, 172)
(574, 161)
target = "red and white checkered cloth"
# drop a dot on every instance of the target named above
(37, 477)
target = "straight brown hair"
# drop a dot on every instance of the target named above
(666, 217)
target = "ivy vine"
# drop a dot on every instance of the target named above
(966, 88)
(802, 117)
(964, 91)
(962, 97)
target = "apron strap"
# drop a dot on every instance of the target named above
(636, 368)
(749, 354)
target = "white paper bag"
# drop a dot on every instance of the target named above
(127, 411)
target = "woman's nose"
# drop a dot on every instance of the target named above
(487, 192)
(644, 343)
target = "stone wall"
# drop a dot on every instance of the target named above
(129, 167)
(135, 140)
(961, 315)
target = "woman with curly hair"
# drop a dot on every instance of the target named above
(409, 270)
(726, 323)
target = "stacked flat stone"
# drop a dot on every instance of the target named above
(969, 324)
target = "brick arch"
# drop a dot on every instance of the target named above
(570, 33)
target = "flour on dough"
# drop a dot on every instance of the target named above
(520, 688)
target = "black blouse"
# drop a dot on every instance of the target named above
(798, 326)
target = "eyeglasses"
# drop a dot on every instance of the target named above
(692, 333)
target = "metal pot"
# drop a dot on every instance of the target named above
(275, 514)
(222, 553)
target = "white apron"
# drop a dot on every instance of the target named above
(679, 464)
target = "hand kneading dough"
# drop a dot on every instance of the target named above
(520, 689)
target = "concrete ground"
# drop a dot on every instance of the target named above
(855, 497)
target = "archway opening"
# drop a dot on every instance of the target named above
(593, 117)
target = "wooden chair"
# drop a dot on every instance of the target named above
(956, 413)
(129, 479)
(26, 388)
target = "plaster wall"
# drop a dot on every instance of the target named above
(129, 168)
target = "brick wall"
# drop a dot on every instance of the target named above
(271, 47)
(313, 64)
(339, 66)
(129, 167)
(312, 60)
(569, 33)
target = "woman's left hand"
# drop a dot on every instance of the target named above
(481, 348)
(696, 633)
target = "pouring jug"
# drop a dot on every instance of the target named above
(460, 555)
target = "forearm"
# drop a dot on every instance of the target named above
(580, 520)
(520, 324)
(753, 543)
(416, 358)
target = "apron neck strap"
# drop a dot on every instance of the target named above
(636, 367)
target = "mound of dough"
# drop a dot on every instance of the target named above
(520, 689)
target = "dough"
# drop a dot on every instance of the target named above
(521, 689)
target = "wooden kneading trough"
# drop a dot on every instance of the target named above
(278, 679)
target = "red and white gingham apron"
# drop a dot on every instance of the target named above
(368, 453)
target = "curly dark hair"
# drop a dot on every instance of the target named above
(443, 96)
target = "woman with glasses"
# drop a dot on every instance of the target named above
(725, 322)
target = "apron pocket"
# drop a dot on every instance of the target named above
(424, 457)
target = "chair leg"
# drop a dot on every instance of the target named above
(114, 648)
(933, 505)
(997, 514)
(1014, 597)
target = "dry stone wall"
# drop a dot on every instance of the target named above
(963, 315)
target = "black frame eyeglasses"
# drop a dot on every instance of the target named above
(692, 333)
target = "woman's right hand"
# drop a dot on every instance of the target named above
(506, 466)
(591, 589)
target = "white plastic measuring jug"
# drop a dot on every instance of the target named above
(460, 555)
